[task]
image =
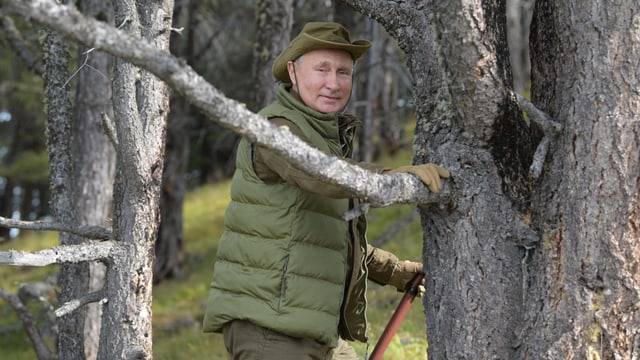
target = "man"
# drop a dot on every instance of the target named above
(290, 276)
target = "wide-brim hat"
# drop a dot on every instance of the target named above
(314, 36)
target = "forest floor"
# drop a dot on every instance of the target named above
(179, 303)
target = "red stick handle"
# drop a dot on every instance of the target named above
(397, 317)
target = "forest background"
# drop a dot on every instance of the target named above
(381, 98)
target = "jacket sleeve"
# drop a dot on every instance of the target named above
(380, 264)
(272, 167)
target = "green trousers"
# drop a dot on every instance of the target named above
(246, 341)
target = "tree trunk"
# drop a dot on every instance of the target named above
(94, 157)
(73, 278)
(141, 105)
(473, 247)
(274, 20)
(467, 122)
(583, 301)
(370, 103)
(170, 246)
(493, 290)
(518, 22)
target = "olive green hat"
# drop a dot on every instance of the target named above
(314, 36)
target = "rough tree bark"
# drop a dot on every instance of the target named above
(526, 263)
(141, 105)
(468, 122)
(74, 277)
(584, 296)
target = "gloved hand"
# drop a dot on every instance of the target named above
(430, 174)
(403, 273)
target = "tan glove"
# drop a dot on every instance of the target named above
(403, 273)
(430, 174)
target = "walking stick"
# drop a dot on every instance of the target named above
(397, 317)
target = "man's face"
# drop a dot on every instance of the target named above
(323, 79)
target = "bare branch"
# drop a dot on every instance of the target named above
(86, 231)
(84, 64)
(538, 158)
(29, 324)
(378, 190)
(541, 118)
(90, 251)
(68, 307)
(109, 129)
(549, 126)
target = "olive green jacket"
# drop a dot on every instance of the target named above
(287, 260)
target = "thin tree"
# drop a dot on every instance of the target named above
(94, 158)
(518, 23)
(74, 277)
(170, 246)
(141, 106)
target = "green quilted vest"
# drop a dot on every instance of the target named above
(281, 261)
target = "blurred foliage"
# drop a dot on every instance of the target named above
(29, 167)
(23, 156)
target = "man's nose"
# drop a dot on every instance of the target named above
(332, 81)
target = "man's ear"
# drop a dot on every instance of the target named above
(292, 72)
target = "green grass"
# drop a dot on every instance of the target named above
(14, 343)
(179, 304)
